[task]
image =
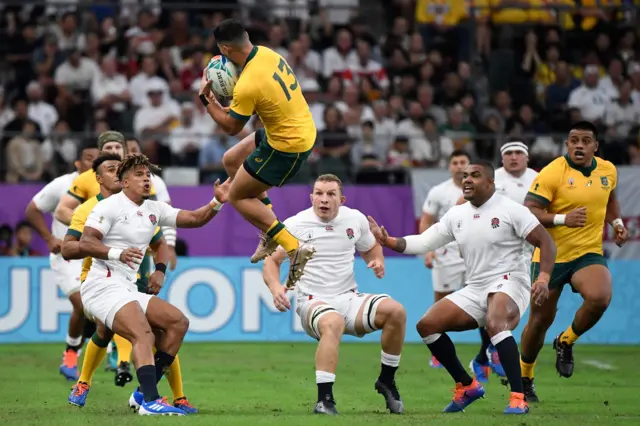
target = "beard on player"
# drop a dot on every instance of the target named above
(477, 183)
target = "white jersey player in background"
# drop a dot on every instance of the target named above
(446, 263)
(67, 273)
(117, 234)
(513, 180)
(490, 230)
(328, 301)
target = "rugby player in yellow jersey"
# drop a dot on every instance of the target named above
(573, 197)
(271, 156)
(105, 168)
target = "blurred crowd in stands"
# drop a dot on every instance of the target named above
(392, 84)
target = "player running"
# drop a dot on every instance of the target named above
(512, 180)
(116, 235)
(490, 230)
(573, 196)
(67, 273)
(447, 265)
(328, 301)
(268, 157)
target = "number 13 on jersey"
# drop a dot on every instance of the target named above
(277, 76)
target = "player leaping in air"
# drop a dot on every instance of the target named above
(328, 301)
(117, 234)
(573, 196)
(490, 230)
(268, 157)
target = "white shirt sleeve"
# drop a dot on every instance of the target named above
(101, 218)
(47, 199)
(167, 214)
(522, 220)
(431, 205)
(575, 98)
(366, 241)
(433, 238)
(162, 193)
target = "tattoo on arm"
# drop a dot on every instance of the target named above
(401, 245)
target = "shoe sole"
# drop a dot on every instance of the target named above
(263, 252)
(302, 256)
(123, 378)
(560, 373)
(388, 397)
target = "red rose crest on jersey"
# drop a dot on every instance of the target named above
(350, 233)
(152, 218)
(495, 222)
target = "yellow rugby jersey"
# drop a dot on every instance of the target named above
(268, 87)
(563, 186)
(86, 186)
(441, 12)
(76, 228)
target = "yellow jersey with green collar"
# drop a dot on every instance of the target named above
(268, 87)
(76, 228)
(85, 186)
(563, 186)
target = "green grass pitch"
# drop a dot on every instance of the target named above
(274, 384)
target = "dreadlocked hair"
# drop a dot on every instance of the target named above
(130, 162)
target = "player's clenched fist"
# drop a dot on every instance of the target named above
(155, 282)
(429, 258)
(576, 218)
(132, 257)
(280, 299)
(540, 290)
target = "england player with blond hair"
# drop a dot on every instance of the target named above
(490, 230)
(328, 301)
(117, 234)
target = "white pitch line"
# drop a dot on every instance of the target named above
(598, 364)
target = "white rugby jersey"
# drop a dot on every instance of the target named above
(513, 187)
(48, 198)
(439, 200)
(490, 237)
(330, 272)
(125, 224)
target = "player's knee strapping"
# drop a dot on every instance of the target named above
(369, 312)
(314, 319)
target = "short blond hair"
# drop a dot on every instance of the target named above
(330, 178)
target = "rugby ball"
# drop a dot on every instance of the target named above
(222, 74)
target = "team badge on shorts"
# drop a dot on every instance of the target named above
(152, 218)
(350, 233)
(495, 222)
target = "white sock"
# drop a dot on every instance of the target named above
(325, 377)
(390, 360)
(74, 341)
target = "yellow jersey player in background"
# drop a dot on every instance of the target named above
(573, 197)
(271, 156)
(105, 168)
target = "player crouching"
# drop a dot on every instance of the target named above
(328, 301)
(490, 231)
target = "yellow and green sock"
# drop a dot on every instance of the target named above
(124, 349)
(569, 336)
(527, 368)
(267, 202)
(174, 377)
(278, 232)
(93, 355)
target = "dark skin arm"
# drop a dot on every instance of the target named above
(71, 248)
(36, 219)
(202, 216)
(91, 246)
(576, 218)
(540, 238)
(161, 254)
(613, 213)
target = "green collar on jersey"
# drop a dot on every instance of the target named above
(586, 171)
(252, 55)
(99, 197)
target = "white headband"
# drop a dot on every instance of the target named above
(514, 146)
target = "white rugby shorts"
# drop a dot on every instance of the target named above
(346, 304)
(473, 298)
(449, 278)
(67, 273)
(104, 297)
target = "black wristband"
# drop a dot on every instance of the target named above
(161, 267)
(204, 100)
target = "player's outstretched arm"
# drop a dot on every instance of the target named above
(431, 239)
(271, 277)
(91, 246)
(202, 216)
(65, 208)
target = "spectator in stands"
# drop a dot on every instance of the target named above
(6, 239)
(40, 111)
(59, 150)
(622, 115)
(210, 159)
(23, 155)
(334, 144)
(73, 81)
(47, 59)
(590, 99)
(110, 91)
(20, 117)
(24, 238)
(459, 131)
(362, 65)
(336, 59)
(368, 149)
(438, 23)
(354, 109)
(67, 34)
(610, 83)
(139, 84)
(558, 92)
(186, 140)
(399, 155)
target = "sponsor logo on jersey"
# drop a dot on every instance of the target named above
(476, 216)
(328, 228)
(153, 219)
